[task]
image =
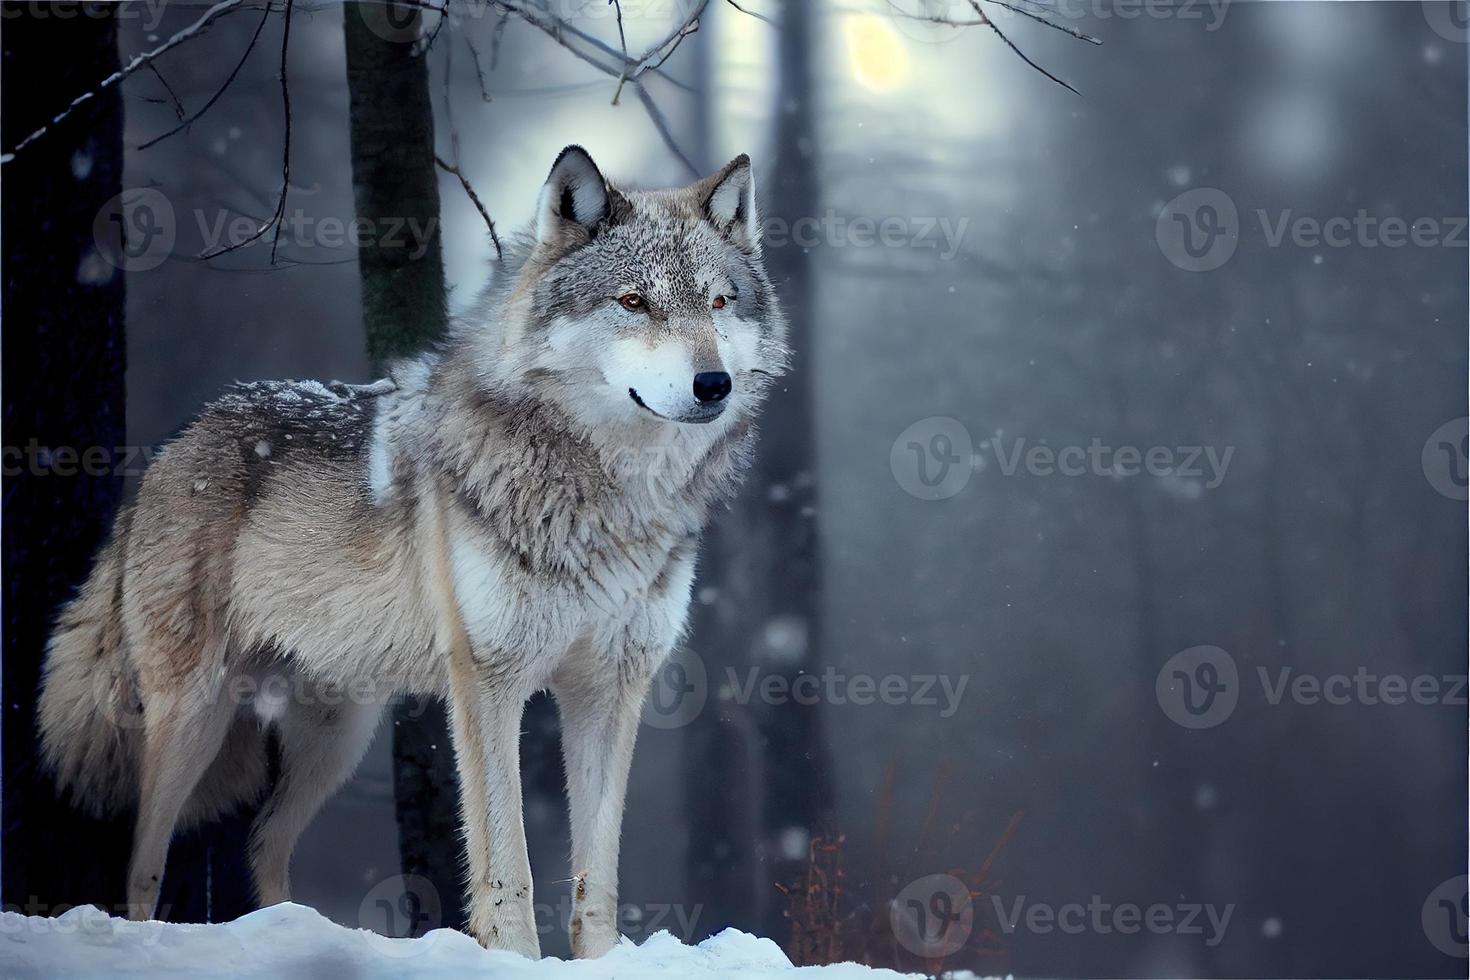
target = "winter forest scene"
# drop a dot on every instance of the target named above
(726, 488)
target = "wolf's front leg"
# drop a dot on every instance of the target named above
(486, 707)
(599, 706)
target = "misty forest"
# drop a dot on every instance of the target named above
(1104, 548)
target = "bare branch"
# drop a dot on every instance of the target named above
(186, 123)
(475, 57)
(751, 13)
(983, 20)
(274, 222)
(622, 40)
(661, 124)
(1041, 19)
(474, 199)
(498, 36)
(454, 168)
(172, 95)
(975, 5)
(141, 61)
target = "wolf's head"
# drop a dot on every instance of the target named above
(648, 308)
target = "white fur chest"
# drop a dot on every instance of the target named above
(530, 620)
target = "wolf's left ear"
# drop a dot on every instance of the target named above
(729, 204)
(575, 197)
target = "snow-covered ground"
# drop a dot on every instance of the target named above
(294, 941)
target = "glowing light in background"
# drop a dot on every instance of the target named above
(877, 55)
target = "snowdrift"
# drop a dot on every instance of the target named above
(294, 941)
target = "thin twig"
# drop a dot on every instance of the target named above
(454, 167)
(496, 37)
(475, 60)
(984, 20)
(1041, 19)
(751, 13)
(274, 222)
(185, 124)
(662, 125)
(474, 199)
(172, 95)
(623, 41)
(139, 62)
(975, 5)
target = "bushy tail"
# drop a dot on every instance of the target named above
(91, 710)
(90, 717)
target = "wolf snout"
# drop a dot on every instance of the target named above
(711, 386)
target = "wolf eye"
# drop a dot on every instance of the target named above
(719, 303)
(632, 301)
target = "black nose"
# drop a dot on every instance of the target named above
(711, 386)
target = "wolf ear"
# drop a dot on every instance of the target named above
(575, 197)
(729, 204)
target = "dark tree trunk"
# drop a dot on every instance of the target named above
(762, 561)
(393, 180)
(798, 785)
(64, 358)
(404, 310)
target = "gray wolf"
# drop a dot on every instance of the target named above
(516, 510)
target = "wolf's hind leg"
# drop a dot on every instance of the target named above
(183, 729)
(321, 744)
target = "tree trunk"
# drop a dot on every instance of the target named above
(63, 365)
(404, 310)
(762, 561)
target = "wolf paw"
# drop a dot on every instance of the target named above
(591, 936)
(507, 927)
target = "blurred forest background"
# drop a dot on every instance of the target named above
(1051, 312)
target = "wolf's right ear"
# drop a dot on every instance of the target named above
(575, 198)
